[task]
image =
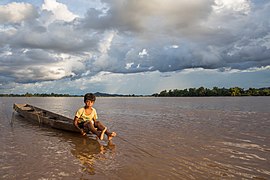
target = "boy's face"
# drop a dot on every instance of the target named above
(89, 103)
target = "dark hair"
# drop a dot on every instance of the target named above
(89, 96)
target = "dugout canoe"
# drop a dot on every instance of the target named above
(44, 117)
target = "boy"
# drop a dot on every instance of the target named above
(86, 119)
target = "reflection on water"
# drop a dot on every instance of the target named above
(88, 150)
(47, 149)
(158, 138)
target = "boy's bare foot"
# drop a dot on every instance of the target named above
(113, 134)
(83, 133)
(102, 133)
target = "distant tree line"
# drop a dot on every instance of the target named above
(191, 92)
(215, 91)
(98, 94)
(38, 95)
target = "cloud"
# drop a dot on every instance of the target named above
(131, 36)
(238, 6)
(147, 82)
(60, 11)
(17, 12)
(157, 15)
(143, 53)
(209, 38)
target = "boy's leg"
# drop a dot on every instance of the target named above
(101, 127)
(91, 127)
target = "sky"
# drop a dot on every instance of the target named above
(133, 46)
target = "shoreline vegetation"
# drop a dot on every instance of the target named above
(215, 91)
(191, 92)
(98, 94)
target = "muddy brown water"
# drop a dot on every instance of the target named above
(158, 138)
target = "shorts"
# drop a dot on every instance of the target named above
(81, 124)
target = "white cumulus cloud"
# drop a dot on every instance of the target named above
(60, 11)
(16, 12)
(241, 6)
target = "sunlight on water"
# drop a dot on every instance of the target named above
(158, 138)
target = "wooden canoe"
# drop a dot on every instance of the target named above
(44, 117)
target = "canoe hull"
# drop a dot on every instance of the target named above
(44, 117)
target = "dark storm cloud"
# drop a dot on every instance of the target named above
(232, 38)
(139, 15)
(130, 36)
(57, 37)
(27, 66)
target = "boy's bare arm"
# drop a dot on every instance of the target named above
(75, 122)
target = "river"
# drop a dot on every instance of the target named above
(157, 138)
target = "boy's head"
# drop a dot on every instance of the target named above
(89, 97)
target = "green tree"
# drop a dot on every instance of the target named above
(215, 91)
(163, 93)
(236, 91)
(252, 92)
(200, 91)
(266, 92)
(192, 92)
(28, 94)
